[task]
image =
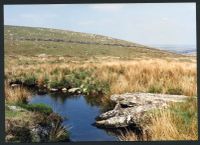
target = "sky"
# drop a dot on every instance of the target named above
(148, 24)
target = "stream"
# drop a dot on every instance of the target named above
(79, 113)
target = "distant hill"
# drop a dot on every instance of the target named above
(34, 41)
(180, 49)
(190, 53)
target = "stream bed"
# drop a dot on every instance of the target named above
(79, 113)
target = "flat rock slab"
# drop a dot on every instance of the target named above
(15, 108)
(130, 107)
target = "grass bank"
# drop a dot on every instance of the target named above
(30, 122)
(109, 77)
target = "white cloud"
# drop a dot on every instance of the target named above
(107, 7)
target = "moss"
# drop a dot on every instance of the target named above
(30, 80)
(41, 108)
(11, 114)
(54, 84)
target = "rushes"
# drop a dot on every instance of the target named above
(58, 133)
(128, 136)
(162, 126)
(16, 95)
(169, 125)
(156, 75)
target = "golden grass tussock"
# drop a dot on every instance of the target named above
(164, 126)
(128, 136)
(179, 122)
(16, 94)
(153, 75)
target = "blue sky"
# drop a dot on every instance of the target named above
(149, 24)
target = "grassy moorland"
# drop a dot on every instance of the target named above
(74, 44)
(102, 66)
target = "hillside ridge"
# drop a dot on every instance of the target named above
(20, 38)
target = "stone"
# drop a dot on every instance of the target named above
(53, 89)
(15, 85)
(15, 108)
(73, 90)
(64, 89)
(131, 107)
(9, 138)
(42, 55)
(45, 86)
(39, 133)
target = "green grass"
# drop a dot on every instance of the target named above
(14, 46)
(41, 108)
(157, 88)
(186, 113)
(64, 78)
(12, 114)
(174, 91)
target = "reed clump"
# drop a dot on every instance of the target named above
(16, 95)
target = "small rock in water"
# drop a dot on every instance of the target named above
(53, 89)
(64, 89)
(73, 90)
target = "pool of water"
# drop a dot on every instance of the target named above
(79, 114)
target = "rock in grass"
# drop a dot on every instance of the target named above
(40, 134)
(130, 108)
(15, 85)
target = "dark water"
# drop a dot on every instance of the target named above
(79, 114)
